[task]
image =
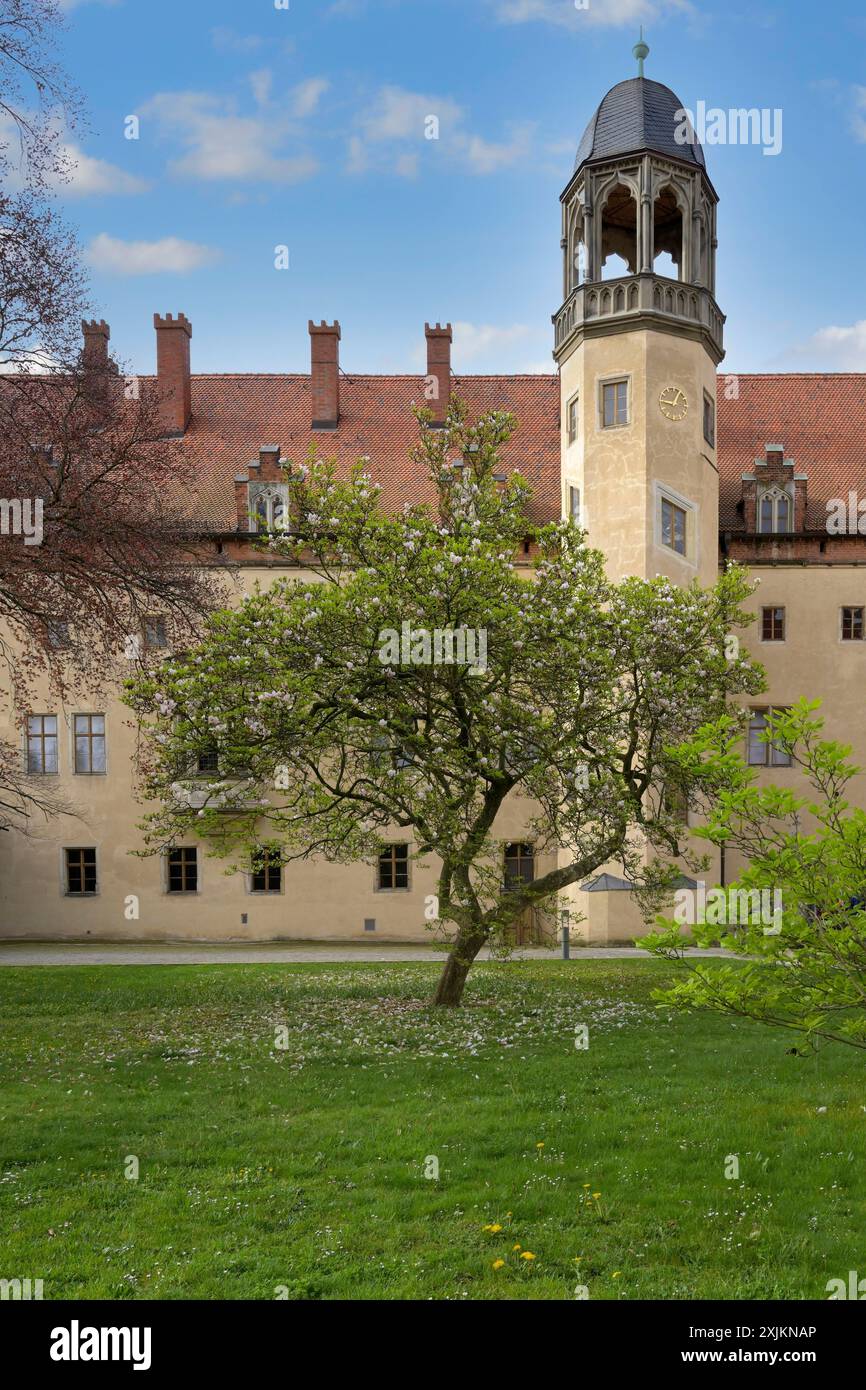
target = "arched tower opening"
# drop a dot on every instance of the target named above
(619, 233)
(667, 234)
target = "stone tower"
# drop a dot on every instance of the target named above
(639, 337)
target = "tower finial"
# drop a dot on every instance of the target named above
(641, 51)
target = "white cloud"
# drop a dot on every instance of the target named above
(90, 176)
(306, 96)
(32, 362)
(485, 157)
(171, 255)
(358, 161)
(87, 175)
(473, 340)
(400, 115)
(838, 348)
(609, 13)
(225, 40)
(538, 368)
(221, 144)
(397, 116)
(261, 82)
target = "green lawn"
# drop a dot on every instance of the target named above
(304, 1166)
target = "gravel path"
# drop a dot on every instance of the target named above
(264, 953)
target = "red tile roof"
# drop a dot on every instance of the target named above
(233, 416)
(820, 420)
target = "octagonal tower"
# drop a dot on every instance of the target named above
(639, 337)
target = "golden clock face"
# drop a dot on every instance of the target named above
(673, 403)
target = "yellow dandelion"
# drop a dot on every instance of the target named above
(596, 1195)
(497, 1264)
(493, 1228)
(527, 1255)
(516, 1245)
(616, 1274)
(587, 1184)
(541, 1145)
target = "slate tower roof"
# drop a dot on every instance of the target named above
(638, 115)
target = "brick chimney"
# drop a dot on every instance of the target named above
(325, 374)
(172, 369)
(437, 390)
(94, 357)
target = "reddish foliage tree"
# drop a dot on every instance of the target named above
(96, 533)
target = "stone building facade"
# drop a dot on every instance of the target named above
(672, 468)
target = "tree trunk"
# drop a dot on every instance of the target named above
(452, 981)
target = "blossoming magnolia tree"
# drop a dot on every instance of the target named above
(330, 732)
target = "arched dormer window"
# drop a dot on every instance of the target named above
(775, 512)
(268, 506)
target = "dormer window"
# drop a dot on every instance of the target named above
(269, 506)
(774, 512)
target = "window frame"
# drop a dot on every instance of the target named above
(210, 755)
(41, 738)
(774, 495)
(676, 511)
(91, 738)
(157, 621)
(773, 609)
(265, 867)
(662, 494)
(520, 858)
(396, 862)
(66, 865)
(573, 494)
(709, 408)
(768, 747)
(851, 608)
(573, 407)
(184, 891)
(612, 383)
(270, 494)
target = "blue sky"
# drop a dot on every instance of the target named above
(305, 127)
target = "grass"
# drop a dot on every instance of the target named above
(301, 1168)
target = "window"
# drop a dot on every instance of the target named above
(519, 865)
(673, 526)
(852, 624)
(183, 870)
(90, 744)
(154, 632)
(394, 867)
(676, 802)
(772, 624)
(208, 760)
(42, 743)
(614, 404)
(269, 506)
(774, 512)
(267, 874)
(80, 872)
(58, 636)
(574, 504)
(763, 752)
(709, 420)
(573, 418)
